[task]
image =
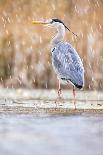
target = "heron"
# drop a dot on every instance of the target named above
(65, 59)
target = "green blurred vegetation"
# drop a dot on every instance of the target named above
(25, 59)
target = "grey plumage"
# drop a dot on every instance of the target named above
(67, 64)
(65, 59)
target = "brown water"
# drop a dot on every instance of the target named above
(29, 134)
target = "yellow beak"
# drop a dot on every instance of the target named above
(39, 22)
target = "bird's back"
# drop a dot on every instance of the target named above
(68, 64)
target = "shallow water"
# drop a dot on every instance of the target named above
(50, 135)
(32, 123)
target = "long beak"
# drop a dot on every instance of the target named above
(39, 22)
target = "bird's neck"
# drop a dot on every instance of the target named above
(59, 36)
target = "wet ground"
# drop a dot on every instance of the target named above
(35, 122)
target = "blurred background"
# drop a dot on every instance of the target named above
(25, 58)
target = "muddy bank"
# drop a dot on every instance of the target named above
(46, 101)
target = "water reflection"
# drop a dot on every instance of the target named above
(51, 135)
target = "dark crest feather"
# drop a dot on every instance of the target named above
(59, 21)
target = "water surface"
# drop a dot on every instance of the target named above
(22, 134)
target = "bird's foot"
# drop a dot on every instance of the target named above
(75, 106)
(59, 101)
(74, 98)
(59, 98)
(59, 93)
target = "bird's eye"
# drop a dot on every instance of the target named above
(51, 22)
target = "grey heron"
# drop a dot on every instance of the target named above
(65, 59)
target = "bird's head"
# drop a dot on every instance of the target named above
(57, 23)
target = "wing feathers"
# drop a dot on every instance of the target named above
(68, 64)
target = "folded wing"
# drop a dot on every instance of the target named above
(68, 64)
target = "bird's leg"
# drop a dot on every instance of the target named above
(74, 97)
(59, 93)
(59, 89)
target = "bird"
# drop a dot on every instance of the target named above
(65, 59)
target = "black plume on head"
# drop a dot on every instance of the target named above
(59, 21)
